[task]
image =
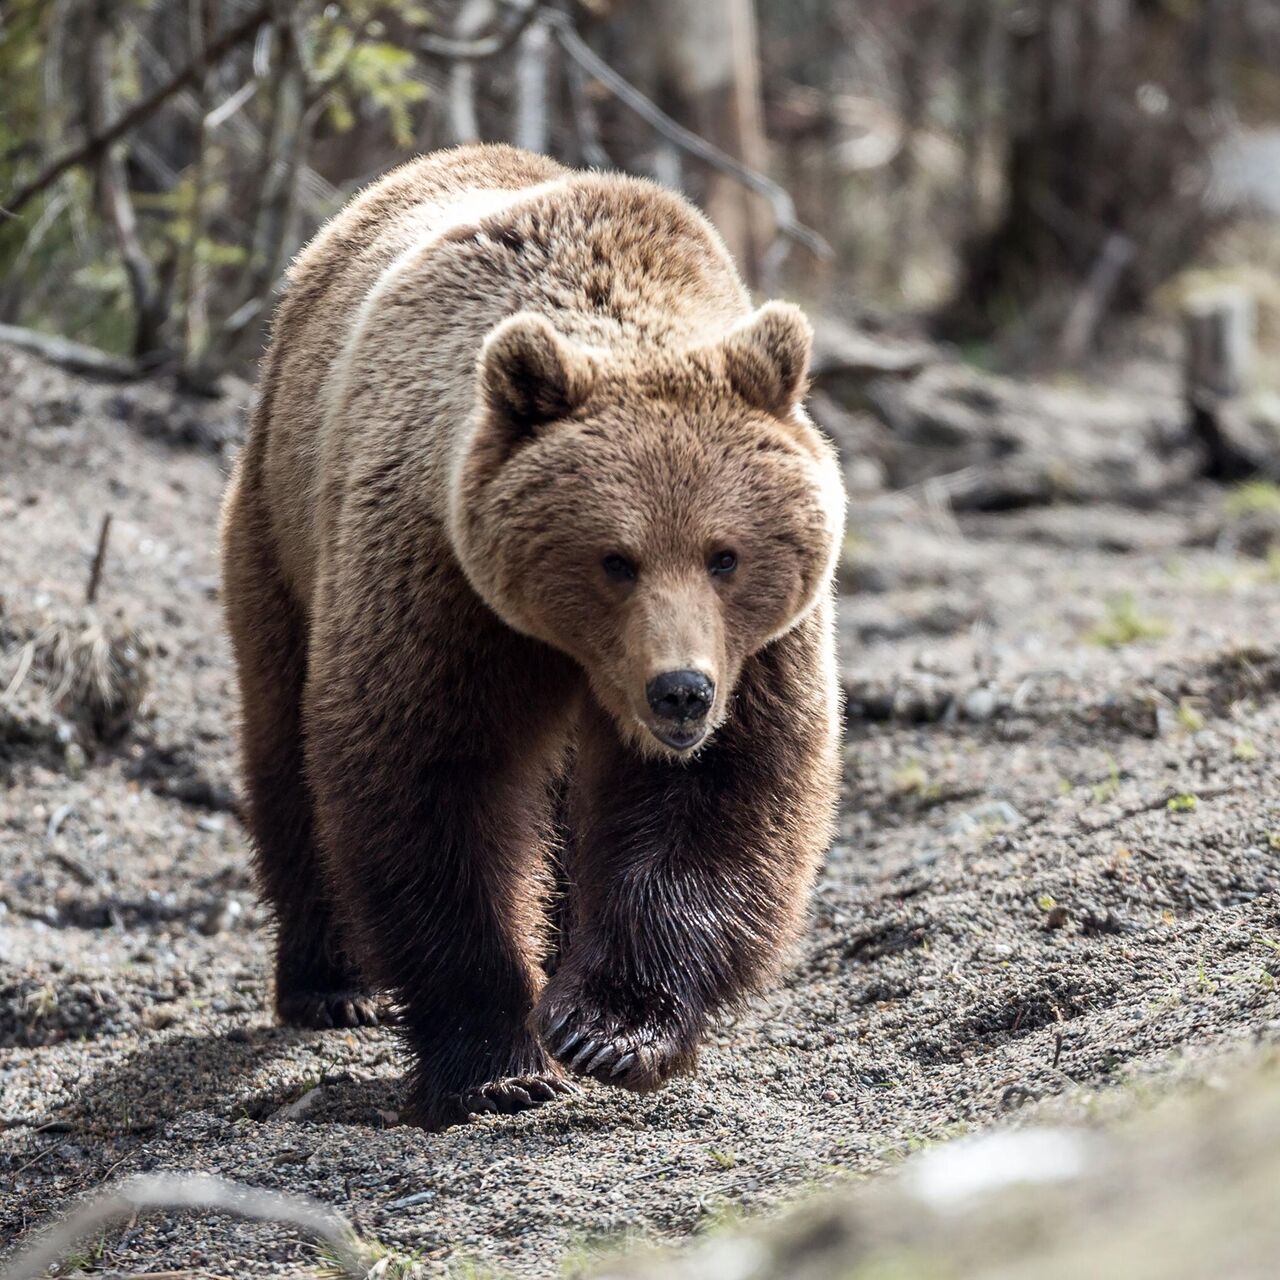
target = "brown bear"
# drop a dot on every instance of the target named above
(528, 564)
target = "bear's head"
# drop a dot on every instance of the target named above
(658, 520)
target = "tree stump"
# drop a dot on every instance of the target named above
(1218, 354)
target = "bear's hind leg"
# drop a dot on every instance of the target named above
(317, 984)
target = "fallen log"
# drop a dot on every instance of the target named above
(75, 357)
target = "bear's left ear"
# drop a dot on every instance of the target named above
(767, 357)
(530, 375)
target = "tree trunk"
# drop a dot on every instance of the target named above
(707, 57)
(113, 191)
(922, 30)
(531, 128)
(1103, 141)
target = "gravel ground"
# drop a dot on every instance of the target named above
(1057, 870)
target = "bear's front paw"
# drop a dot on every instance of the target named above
(640, 1057)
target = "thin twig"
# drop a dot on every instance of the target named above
(198, 1192)
(71, 864)
(11, 295)
(227, 108)
(299, 97)
(99, 557)
(25, 657)
(1094, 297)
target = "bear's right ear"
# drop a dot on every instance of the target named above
(530, 375)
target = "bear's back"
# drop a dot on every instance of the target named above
(376, 340)
(326, 285)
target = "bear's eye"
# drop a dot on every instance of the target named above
(722, 563)
(619, 568)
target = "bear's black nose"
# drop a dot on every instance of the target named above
(681, 695)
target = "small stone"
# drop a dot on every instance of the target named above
(864, 475)
(921, 699)
(74, 760)
(999, 813)
(222, 916)
(157, 1017)
(993, 815)
(979, 704)
(830, 1095)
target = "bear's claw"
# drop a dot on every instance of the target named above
(507, 1096)
(557, 1024)
(584, 1053)
(602, 1059)
(326, 1010)
(638, 1058)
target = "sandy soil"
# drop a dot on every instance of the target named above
(1058, 868)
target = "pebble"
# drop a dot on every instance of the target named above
(979, 704)
(222, 916)
(995, 813)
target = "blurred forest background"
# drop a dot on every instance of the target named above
(1013, 174)
(1040, 243)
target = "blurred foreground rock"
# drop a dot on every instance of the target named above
(1188, 1191)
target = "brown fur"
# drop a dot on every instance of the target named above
(478, 388)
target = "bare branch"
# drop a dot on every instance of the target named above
(784, 209)
(99, 140)
(196, 1192)
(585, 120)
(299, 96)
(12, 294)
(1094, 297)
(518, 14)
(226, 109)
